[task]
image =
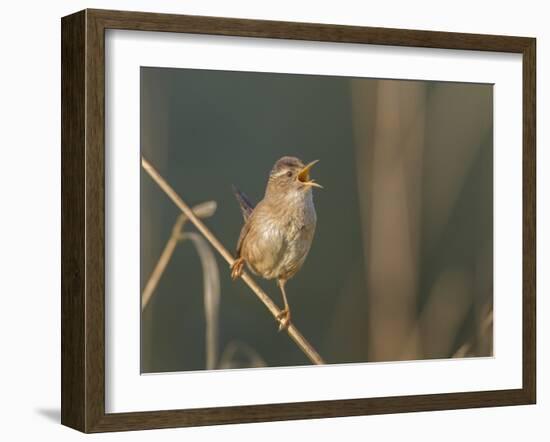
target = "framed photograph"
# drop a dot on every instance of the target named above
(269, 220)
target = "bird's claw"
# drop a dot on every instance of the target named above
(237, 268)
(284, 319)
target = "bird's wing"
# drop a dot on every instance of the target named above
(244, 202)
(244, 232)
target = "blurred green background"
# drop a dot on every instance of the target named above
(401, 263)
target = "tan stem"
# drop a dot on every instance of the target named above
(292, 331)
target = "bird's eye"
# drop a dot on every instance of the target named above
(289, 174)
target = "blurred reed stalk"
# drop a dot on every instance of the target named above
(211, 297)
(237, 351)
(292, 331)
(485, 330)
(390, 153)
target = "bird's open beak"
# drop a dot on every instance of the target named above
(304, 178)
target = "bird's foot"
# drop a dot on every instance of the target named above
(284, 319)
(237, 268)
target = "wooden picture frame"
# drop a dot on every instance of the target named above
(83, 220)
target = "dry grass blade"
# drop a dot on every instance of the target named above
(486, 327)
(236, 351)
(203, 210)
(211, 283)
(292, 331)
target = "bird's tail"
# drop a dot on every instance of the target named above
(244, 202)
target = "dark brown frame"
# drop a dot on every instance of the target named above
(83, 216)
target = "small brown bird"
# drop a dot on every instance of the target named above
(277, 233)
